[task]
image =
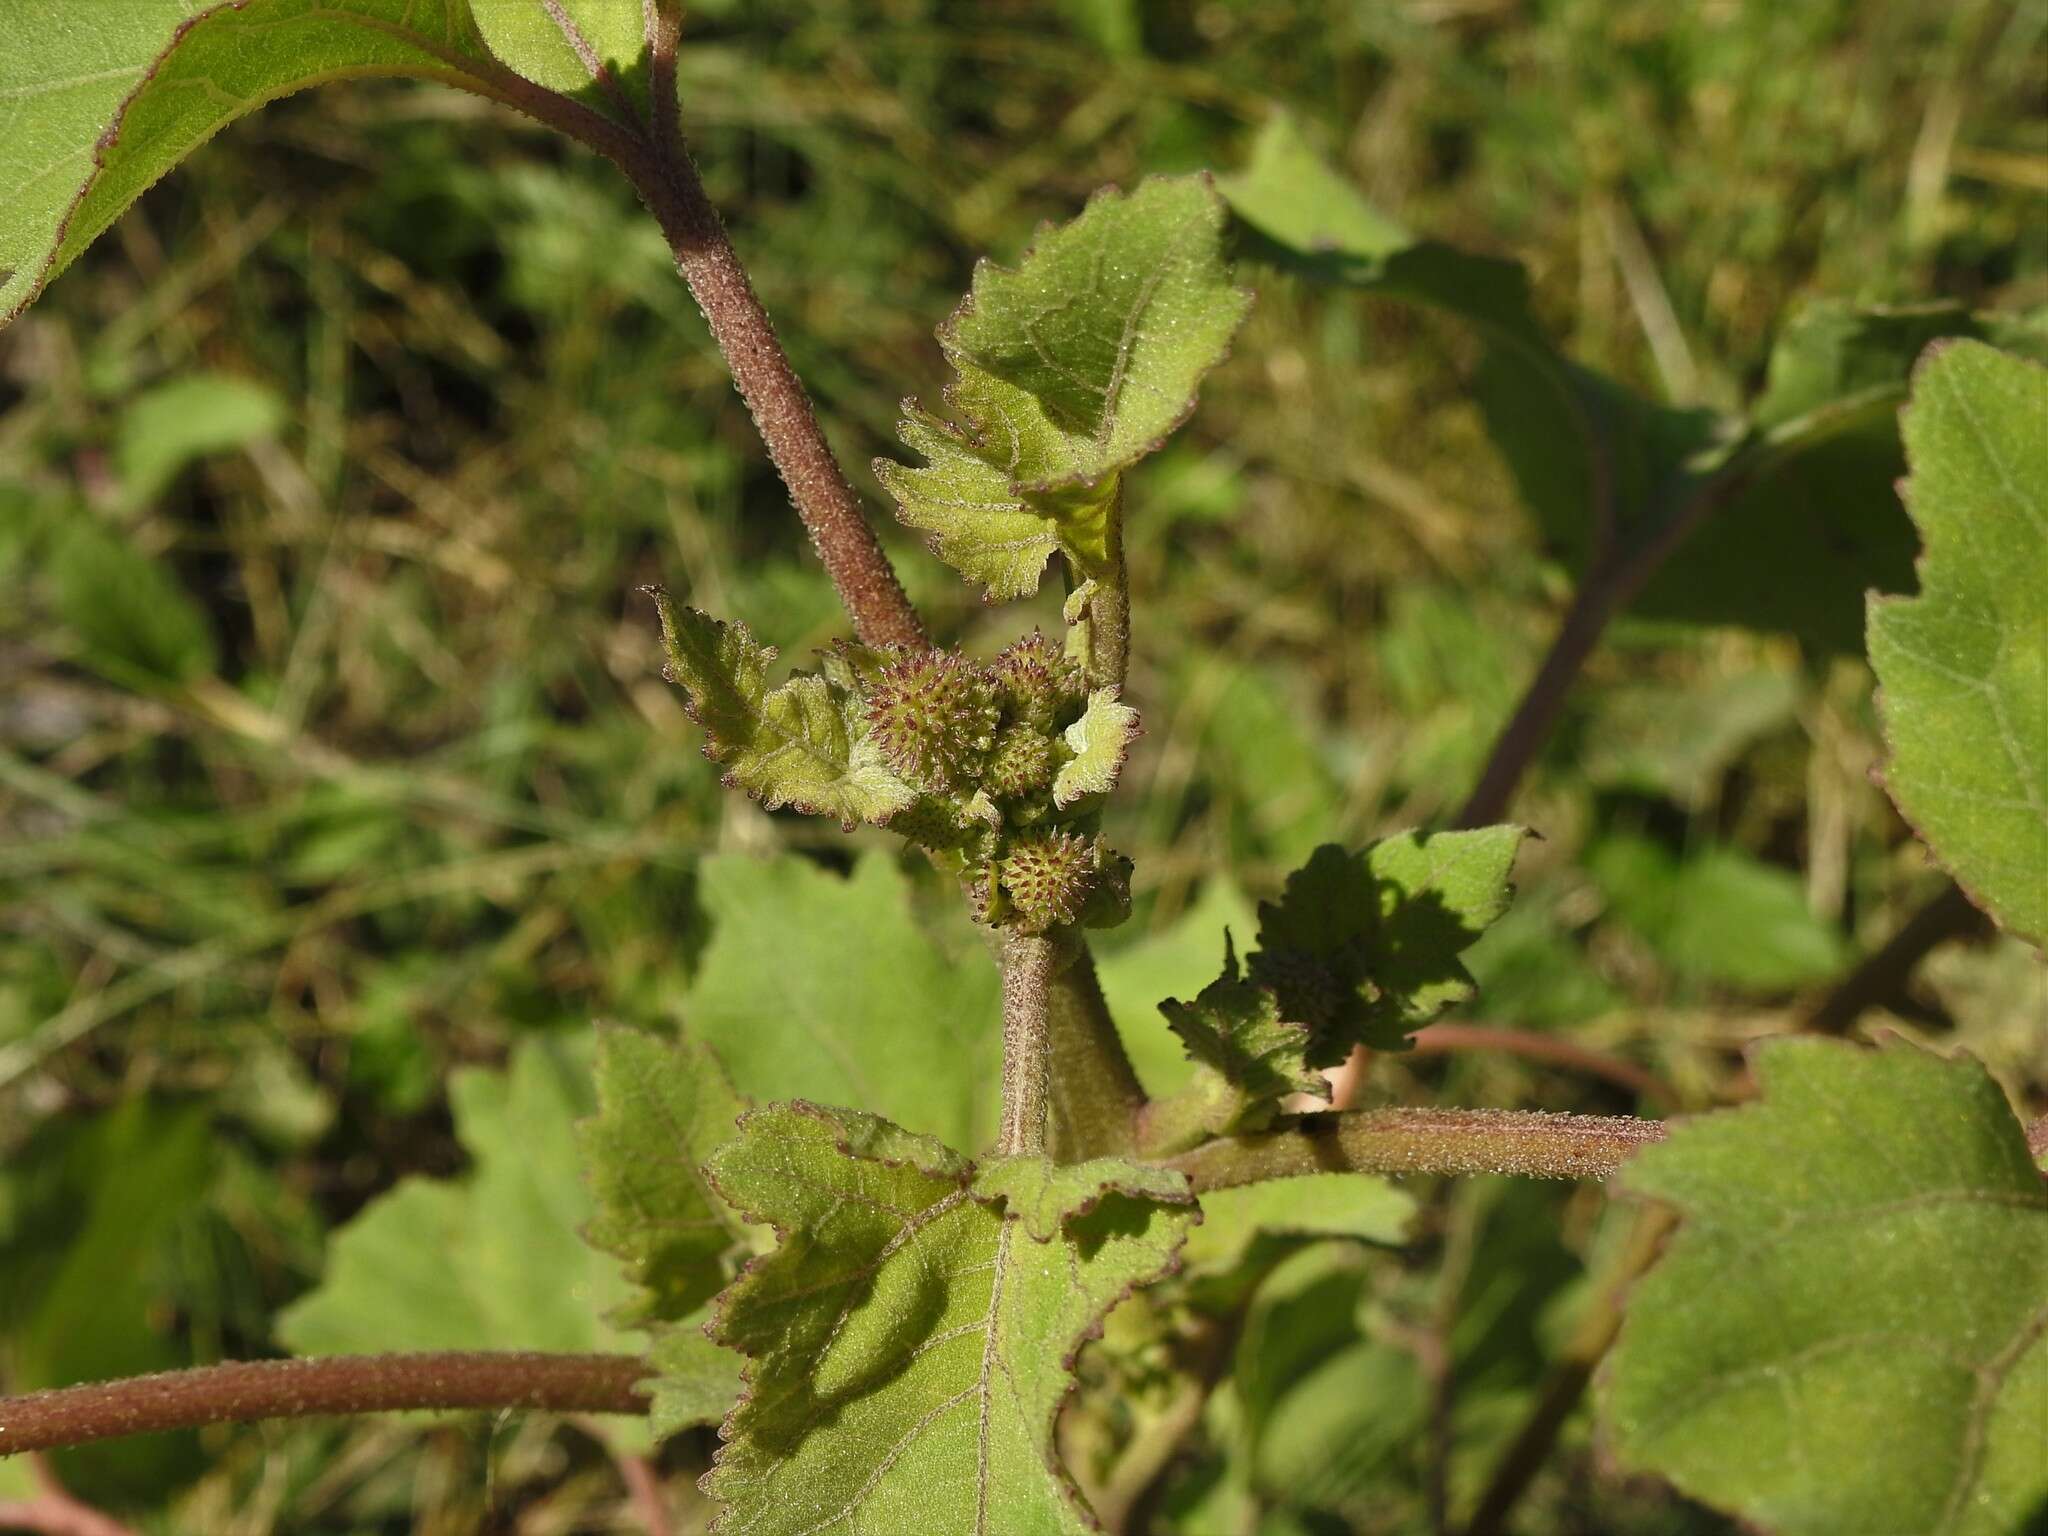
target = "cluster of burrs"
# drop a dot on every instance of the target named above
(983, 744)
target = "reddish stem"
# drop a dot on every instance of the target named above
(339, 1384)
(1440, 1039)
(1527, 1143)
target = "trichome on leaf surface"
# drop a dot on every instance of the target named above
(906, 1225)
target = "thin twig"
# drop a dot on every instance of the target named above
(1028, 961)
(1527, 1143)
(338, 1384)
(1439, 1039)
(1884, 973)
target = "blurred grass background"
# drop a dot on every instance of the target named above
(333, 750)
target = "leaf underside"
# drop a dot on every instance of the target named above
(909, 1343)
(1963, 667)
(1849, 1334)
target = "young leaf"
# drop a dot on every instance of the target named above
(663, 1106)
(825, 986)
(1364, 947)
(1069, 369)
(909, 1345)
(1850, 1331)
(1963, 667)
(805, 745)
(1099, 740)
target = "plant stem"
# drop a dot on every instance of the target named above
(337, 1384)
(1883, 973)
(1027, 1044)
(1096, 1096)
(663, 174)
(1527, 1143)
(1109, 607)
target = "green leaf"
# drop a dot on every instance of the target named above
(493, 1261)
(1099, 741)
(909, 1344)
(663, 1106)
(1255, 1057)
(804, 745)
(1363, 947)
(138, 623)
(1174, 961)
(696, 1381)
(1849, 1334)
(1045, 1195)
(825, 987)
(1718, 914)
(556, 45)
(1815, 496)
(1357, 1205)
(97, 109)
(1963, 667)
(185, 419)
(1068, 370)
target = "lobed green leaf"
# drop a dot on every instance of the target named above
(909, 1343)
(804, 745)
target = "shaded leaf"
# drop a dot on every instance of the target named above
(696, 1381)
(1099, 741)
(1964, 666)
(1068, 370)
(804, 745)
(138, 623)
(1849, 1334)
(909, 1346)
(1252, 1055)
(1364, 947)
(824, 986)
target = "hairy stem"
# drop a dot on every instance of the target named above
(667, 181)
(1884, 973)
(1109, 607)
(337, 1384)
(1096, 1096)
(1028, 962)
(1527, 1143)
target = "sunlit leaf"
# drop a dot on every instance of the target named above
(908, 1344)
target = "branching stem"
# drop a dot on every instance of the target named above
(338, 1384)
(1527, 1143)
